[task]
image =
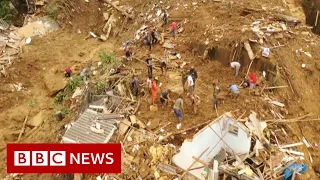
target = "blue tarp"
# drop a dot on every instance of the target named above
(299, 168)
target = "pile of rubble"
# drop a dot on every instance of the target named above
(214, 152)
(9, 46)
(12, 38)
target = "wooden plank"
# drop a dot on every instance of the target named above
(187, 170)
(124, 126)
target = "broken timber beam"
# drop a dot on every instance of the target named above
(249, 50)
(182, 131)
(287, 18)
(275, 87)
(119, 9)
(187, 170)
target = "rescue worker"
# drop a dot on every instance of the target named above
(164, 66)
(216, 91)
(147, 40)
(178, 108)
(194, 75)
(174, 29)
(155, 36)
(190, 85)
(195, 101)
(234, 89)
(135, 86)
(68, 72)
(128, 53)
(252, 80)
(149, 65)
(236, 65)
(154, 90)
(165, 17)
(165, 98)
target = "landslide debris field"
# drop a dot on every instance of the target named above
(33, 86)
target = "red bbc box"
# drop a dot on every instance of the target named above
(63, 158)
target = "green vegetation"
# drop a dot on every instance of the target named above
(73, 83)
(101, 87)
(7, 11)
(31, 102)
(65, 111)
(106, 57)
(53, 9)
(60, 97)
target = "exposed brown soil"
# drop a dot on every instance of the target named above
(49, 55)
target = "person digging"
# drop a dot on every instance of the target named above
(164, 66)
(234, 89)
(236, 66)
(195, 101)
(165, 98)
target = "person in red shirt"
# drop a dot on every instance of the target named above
(252, 80)
(174, 29)
(68, 72)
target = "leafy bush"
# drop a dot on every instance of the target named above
(60, 97)
(31, 102)
(52, 10)
(65, 111)
(73, 83)
(106, 58)
(7, 11)
(101, 87)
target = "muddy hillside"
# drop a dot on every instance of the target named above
(211, 89)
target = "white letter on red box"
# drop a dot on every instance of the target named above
(39, 158)
(57, 158)
(21, 158)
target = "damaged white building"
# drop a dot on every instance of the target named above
(221, 137)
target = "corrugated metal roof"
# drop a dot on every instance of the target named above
(80, 131)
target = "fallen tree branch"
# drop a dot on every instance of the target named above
(23, 127)
(119, 9)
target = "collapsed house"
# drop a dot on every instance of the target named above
(221, 137)
(227, 147)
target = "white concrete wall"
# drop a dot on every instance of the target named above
(201, 141)
(239, 144)
(207, 138)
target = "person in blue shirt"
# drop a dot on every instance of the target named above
(234, 89)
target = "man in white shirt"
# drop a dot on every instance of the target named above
(190, 85)
(235, 65)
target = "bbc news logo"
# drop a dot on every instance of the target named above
(63, 158)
